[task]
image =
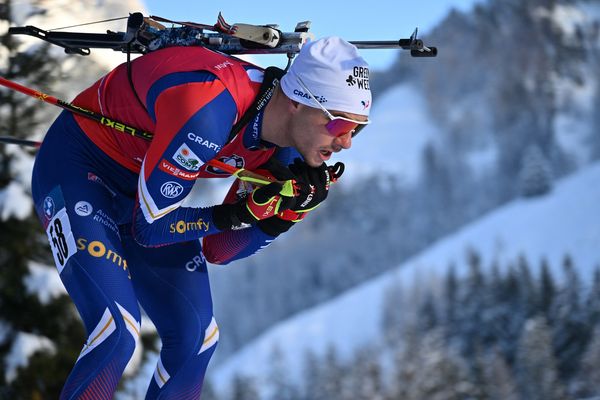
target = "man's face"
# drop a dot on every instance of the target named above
(311, 138)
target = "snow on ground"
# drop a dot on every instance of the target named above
(565, 221)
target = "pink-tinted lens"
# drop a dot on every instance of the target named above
(339, 127)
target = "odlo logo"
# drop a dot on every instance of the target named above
(359, 77)
(171, 189)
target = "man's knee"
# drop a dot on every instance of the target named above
(119, 329)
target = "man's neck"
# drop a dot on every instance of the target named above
(275, 120)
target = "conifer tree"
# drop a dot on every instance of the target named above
(589, 378)
(547, 291)
(244, 388)
(365, 377)
(536, 366)
(499, 383)
(442, 373)
(571, 332)
(23, 314)
(535, 175)
(279, 378)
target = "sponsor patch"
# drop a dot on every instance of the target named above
(99, 249)
(49, 207)
(185, 226)
(195, 263)
(58, 228)
(171, 189)
(102, 218)
(83, 208)
(203, 142)
(359, 77)
(300, 93)
(170, 169)
(185, 157)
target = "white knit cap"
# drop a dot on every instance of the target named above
(334, 72)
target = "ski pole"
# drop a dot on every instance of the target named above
(20, 142)
(101, 119)
(119, 126)
(241, 173)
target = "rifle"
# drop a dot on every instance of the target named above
(146, 34)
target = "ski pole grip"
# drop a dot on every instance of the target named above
(336, 171)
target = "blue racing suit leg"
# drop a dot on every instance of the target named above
(85, 201)
(172, 285)
(77, 211)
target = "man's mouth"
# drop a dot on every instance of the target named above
(325, 155)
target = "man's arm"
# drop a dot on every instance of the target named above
(227, 246)
(193, 113)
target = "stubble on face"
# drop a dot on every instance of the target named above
(310, 138)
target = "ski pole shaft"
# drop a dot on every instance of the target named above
(20, 142)
(101, 119)
(120, 126)
(242, 174)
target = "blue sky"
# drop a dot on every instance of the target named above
(376, 20)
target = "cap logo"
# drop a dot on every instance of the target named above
(300, 93)
(359, 77)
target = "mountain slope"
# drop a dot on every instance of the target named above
(565, 221)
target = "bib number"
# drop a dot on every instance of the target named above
(61, 239)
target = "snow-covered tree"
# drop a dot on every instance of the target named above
(442, 373)
(536, 365)
(571, 330)
(280, 382)
(243, 388)
(365, 377)
(535, 175)
(41, 332)
(588, 384)
(499, 383)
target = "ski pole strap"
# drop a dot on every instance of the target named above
(335, 171)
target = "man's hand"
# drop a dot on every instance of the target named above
(313, 183)
(262, 203)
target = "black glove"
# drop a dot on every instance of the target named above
(313, 184)
(262, 203)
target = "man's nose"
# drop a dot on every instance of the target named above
(345, 141)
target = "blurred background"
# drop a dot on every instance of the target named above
(456, 259)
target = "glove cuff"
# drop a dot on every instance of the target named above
(274, 226)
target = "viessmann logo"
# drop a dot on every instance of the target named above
(171, 189)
